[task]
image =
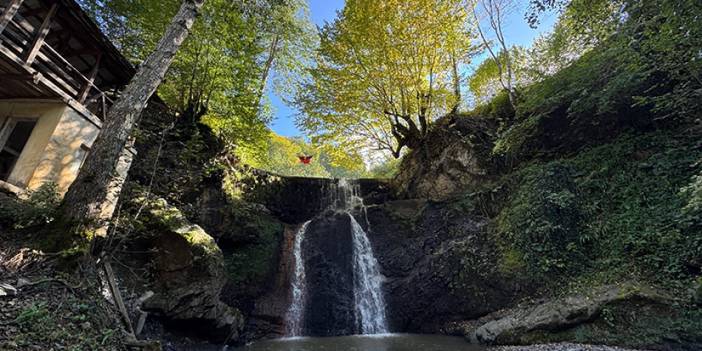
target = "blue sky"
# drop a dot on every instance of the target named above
(517, 32)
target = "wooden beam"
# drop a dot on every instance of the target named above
(91, 80)
(9, 13)
(91, 117)
(40, 36)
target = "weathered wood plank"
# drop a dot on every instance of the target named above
(91, 79)
(52, 87)
(9, 12)
(40, 36)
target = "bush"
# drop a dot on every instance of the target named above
(634, 203)
(39, 208)
(627, 209)
(541, 222)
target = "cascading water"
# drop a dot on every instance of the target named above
(370, 304)
(369, 311)
(295, 315)
(367, 281)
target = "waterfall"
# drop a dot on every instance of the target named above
(367, 281)
(343, 197)
(370, 304)
(295, 316)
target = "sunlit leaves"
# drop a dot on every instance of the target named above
(381, 61)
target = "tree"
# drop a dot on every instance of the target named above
(86, 202)
(220, 74)
(581, 26)
(484, 83)
(494, 11)
(327, 161)
(384, 71)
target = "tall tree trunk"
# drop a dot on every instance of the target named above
(272, 51)
(495, 18)
(456, 82)
(89, 202)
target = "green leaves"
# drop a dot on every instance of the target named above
(543, 220)
(221, 72)
(327, 160)
(383, 73)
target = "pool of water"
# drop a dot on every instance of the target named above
(383, 342)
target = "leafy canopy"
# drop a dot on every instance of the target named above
(384, 72)
(327, 161)
(220, 73)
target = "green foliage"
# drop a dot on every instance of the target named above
(542, 221)
(221, 72)
(39, 208)
(251, 252)
(634, 202)
(644, 70)
(72, 322)
(498, 107)
(581, 26)
(668, 43)
(384, 73)
(35, 313)
(616, 210)
(386, 169)
(484, 83)
(172, 162)
(327, 161)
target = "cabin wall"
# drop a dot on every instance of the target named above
(57, 146)
(47, 114)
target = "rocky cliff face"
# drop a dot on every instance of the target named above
(438, 266)
(185, 273)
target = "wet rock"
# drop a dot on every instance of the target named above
(328, 252)
(557, 314)
(188, 268)
(438, 267)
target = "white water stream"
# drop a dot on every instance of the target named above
(370, 304)
(367, 280)
(296, 311)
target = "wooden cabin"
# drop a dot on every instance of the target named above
(59, 75)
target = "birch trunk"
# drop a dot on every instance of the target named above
(273, 50)
(97, 182)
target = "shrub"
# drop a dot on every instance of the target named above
(37, 209)
(541, 222)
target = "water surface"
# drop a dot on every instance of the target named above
(381, 342)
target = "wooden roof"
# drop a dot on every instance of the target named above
(53, 49)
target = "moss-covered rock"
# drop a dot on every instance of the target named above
(627, 314)
(188, 272)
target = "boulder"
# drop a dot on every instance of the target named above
(510, 326)
(188, 271)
